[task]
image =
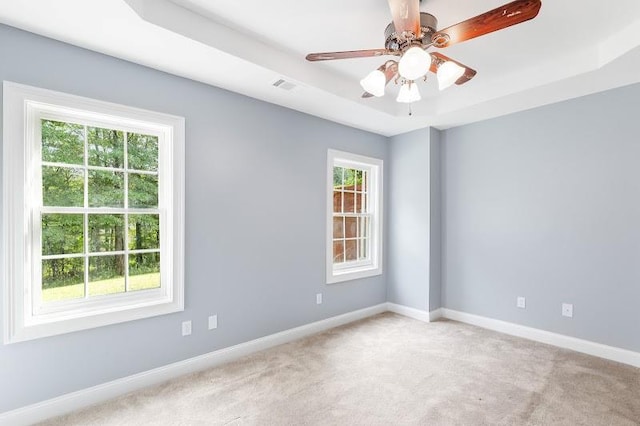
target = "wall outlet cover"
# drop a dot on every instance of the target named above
(521, 302)
(186, 328)
(213, 322)
(567, 310)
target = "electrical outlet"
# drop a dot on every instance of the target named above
(213, 322)
(186, 328)
(521, 302)
(567, 310)
(319, 298)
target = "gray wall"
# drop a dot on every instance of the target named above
(409, 201)
(255, 222)
(546, 204)
(542, 204)
(435, 223)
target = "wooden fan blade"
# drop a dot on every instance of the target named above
(406, 16)
(390, 69)
(469, 73)
(329, 56)
(502, 17)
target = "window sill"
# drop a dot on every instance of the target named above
(42, 328)
(339, 276)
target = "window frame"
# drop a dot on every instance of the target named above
(346, 271)
(25, 317)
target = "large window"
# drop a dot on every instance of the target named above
(354, 225)
(93, 197)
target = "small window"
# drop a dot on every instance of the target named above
(354, 226)
(93, 213)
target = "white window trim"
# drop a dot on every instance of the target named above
(336, 274)
(21, 322)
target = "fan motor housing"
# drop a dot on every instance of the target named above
(395, 42)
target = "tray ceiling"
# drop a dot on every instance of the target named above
(573, 48)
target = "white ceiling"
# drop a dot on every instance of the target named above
(573, 48)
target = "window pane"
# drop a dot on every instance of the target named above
(350, 224)
(351, 250)
(364, 248)
(363, 227)
(337, 201)
(62, 187)
(62, 279)
(62, 142)
(337, 177)
(106, 147)
(143, 191)
(338, 251)
(142, 152)
(144, 231)
(361, 203)
(349, 202)
(365, 181)
(144, 271)
(359, 180)
(62, 234)
(338, 227)
(106, 275)
(106, 232)
(106, 189)
(349, 179)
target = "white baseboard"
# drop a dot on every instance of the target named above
(100, 393)
(414, 313)
(584, 346)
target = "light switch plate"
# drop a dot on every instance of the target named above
(319, 298)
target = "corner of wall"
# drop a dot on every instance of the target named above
(435, 220)
(409, 220)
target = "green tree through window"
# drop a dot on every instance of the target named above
(91, 239)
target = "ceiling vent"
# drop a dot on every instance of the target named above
(284, 85)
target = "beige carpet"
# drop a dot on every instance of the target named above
(391, 370)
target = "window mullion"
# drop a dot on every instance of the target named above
(358, 219)
(86, 213)
(126, 212)
(344, 228)
(35, 293)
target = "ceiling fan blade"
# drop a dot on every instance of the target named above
(469, 73)
(504, 16)
(390, 69)
(328, 56)
(406, 16)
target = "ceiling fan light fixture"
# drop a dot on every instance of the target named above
(374, 83)
(448, 73)
(409, 93)
(415, 63)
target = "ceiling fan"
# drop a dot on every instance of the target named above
(412, 32)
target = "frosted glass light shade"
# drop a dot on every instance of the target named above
(408, 93)
(448, 73)
(415, 63)
(374, 83)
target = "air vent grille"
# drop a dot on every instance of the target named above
(284, 84)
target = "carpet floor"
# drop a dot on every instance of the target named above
(390, 370)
